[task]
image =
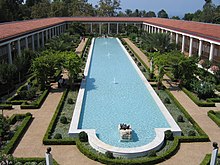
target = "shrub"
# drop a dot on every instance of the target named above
(139, 64)
(152, 153)
(109, 154)
(180, 118)
(58, 136)
(70, 101)
(28, 114)
(83, 137)
(191, 133)
(23, 94)
(167, 100)
(63, 120)
(169, 135)
(212, 112)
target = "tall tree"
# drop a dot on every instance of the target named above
(41, 10)
(162, 14)
(128, 12)
(150, 14)
(108, 8)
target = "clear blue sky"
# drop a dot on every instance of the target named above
(172, 7)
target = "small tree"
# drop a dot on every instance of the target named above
(73, 65)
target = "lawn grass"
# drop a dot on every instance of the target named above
(67, 111)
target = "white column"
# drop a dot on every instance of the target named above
(9, 54)
(26, 42)
(108, 28)
(55, 30)
(38, 41)
(19, 46)
(200, 48)
(211, 52)
(42, 38)
(32, 37)
(46, 35)
(190, 46)
(91, 28)
(100, 28)
(162, 31)
(177, 37)
(158, 30)
(166, 31)
(183, 44)
(155, 30)
(117, 29)
(171, 37)
(152, 29)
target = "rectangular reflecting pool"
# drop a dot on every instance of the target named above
(114, 92)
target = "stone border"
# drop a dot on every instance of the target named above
(97, 144)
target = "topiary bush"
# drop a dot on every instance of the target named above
(212, 112)
(169, 135)
(180, 118)
(70, 101)
(109, 154)
(58, 136)
(63, 120)
(191, 133)
(83, 137)
(167, 100)
(28, 114)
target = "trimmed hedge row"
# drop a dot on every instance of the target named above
(207, 159)
(18, 135)
(37, 103)
(5, 106)
(143, 63)
(212, 116)
(138, 161)
(196, 100)
(215, 100)
(47, 137)
(203, 138)
(37, 160)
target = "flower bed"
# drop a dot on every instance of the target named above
(13, 142)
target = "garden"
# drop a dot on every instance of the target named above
(201, 84)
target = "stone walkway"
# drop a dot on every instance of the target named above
(81, 46)
(189, 153)
(31, 144)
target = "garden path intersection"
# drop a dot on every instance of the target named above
(189, 153)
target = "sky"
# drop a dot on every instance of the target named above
(172, 7)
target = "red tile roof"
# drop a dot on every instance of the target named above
(209, 31)
(11, 29)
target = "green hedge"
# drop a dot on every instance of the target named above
(204, 137)
(207, 159)
(137, 161)
(47, 137)
(196, 100)
(143, 63)
(214, 117)
(37, 160)
(5, 106)
(37, 103)
(215, 100)
(18, 135)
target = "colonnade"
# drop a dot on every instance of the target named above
(193, 39)
(38, 39)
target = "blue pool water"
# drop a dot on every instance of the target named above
(116, 94)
